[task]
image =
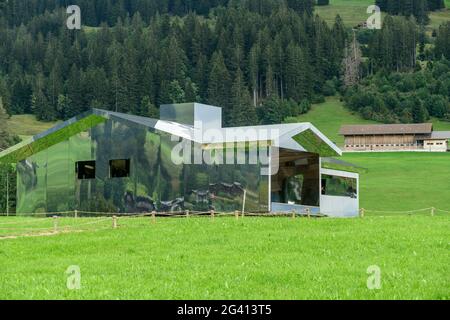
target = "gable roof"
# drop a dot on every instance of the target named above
(297, 136)
(440, 135)
(379, 129)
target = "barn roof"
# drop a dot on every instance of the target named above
(380, 129)
(440, 135)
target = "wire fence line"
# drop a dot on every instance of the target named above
(427, 211)
(188, 213)
(53, 223)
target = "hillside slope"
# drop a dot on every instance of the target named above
(354, 12)
(26, 125)
(403, 181)
(332, 114)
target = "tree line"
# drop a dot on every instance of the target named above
(235, 60)
(95, 12)
(417, 8)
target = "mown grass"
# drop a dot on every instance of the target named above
(26, 125)
(403, 180)
(329, 116)
(252, 258)
(439, 17)
(354, 12)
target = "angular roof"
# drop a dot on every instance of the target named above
(440, 135)
(303, 137)
(379, 129)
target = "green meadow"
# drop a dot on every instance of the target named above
(403, 181)
(224, 258)
(329, 116)
(26, 125)
(396, 181)
(354, 12)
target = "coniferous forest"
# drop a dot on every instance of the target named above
(261, 60)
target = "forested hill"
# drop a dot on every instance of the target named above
(261, 60)
(97, 11)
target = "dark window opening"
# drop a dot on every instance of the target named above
(119, 168)
(339, 186)
(85, 170)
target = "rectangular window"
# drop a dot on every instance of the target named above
(339, 186)
(85, 170)
(119, 168)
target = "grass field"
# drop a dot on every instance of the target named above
(27, 125)
(354, 12)
(403, 181)
(253, 258)
(331, 115)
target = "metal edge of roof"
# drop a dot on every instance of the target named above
(180, 130)
(45, 133)
(287, 131)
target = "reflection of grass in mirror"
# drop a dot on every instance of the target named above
(312, 143)
(27, 148)
(252, 258)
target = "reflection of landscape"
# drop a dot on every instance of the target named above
(47, 181)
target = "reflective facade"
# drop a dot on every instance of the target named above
(103, 161)
(48, 180)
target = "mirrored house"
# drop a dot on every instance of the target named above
(103, 161)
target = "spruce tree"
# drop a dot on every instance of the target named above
(4, 135)
(243, 113)
(219, 85)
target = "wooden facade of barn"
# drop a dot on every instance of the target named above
(394, 137)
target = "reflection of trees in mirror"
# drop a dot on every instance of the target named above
(339, 186)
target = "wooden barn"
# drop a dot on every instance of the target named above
(394, 137)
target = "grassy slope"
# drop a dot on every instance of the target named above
(254, 258)
(329, 117)
(403, 181)
(354, 12)
(394, 181)
(26, 125)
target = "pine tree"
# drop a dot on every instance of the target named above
(243, 113)
(219, 85)
(148, 109)
(442, 48)
(298, 74)
(4, 135)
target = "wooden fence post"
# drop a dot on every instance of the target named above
(361, 212)
(212, 214)
(76, 214)
(293, 214)
(187, 213)
(308, 212)
(236, 214)
(55, 224)
(114, 222)
(153, 216)
(432, 211)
